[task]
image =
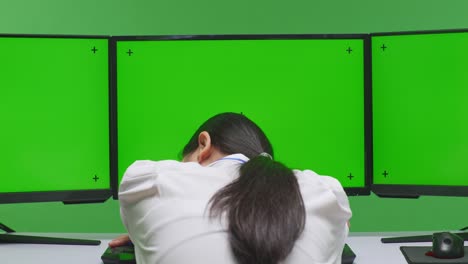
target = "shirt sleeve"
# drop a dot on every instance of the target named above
(139, 182)
(322, 192)
(327, 214)
(340, 194)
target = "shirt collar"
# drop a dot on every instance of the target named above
(230, 159)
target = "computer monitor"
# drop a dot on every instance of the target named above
(420, 109)
(55, 138)
(308, 93)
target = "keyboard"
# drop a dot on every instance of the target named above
(126, 255)
(119, 255)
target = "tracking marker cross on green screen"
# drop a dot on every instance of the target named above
(306, 92)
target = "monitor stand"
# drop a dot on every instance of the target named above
(25, 239)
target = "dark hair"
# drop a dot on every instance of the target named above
(264, 206)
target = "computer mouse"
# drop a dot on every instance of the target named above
(446, 245)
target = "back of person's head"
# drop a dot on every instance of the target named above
(263, 205)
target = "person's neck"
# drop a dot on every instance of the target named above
(215, 155)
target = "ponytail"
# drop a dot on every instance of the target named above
(263, 206)
(264, 209)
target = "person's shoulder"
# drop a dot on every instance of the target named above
(309, 175)
(144, 178)
(145, 167)
(309, 179)
(323, 190)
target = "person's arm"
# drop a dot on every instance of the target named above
(137, 184)
(119, 241)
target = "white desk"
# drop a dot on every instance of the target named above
(55, 254)
(369, 249)
(367, 246)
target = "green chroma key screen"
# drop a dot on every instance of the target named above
(306, 94)
(420, 109)
(54, 114)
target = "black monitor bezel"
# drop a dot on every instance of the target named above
(75, 196)
(418, 32)
(350, 191)
(413, 190)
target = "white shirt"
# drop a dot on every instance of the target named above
(164, 208)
